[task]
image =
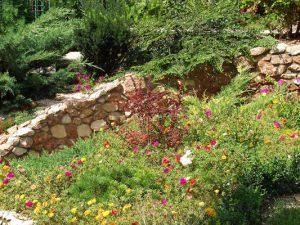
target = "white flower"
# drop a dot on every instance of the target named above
(186, 159)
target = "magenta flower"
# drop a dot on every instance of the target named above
(265, 91)
(78, 87)
(155, 143)
(182, 181)
(277, 125)
(29, 204)
(164, 202)
(208, 113)
(1, 160)
(136, 150)
(68, 174)
(259, 115)
(10, 175)
(88, 87)
(280, 82)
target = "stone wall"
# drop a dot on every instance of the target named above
(76, 116)
(282, 63)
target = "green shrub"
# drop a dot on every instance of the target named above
(104, 37)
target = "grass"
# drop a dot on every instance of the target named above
(106, 180)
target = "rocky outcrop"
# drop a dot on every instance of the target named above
(282, 63)
(11, 218)
(76, 116)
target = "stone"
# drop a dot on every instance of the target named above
(295, 68)
(266, 68)
(66, 119)
(115, 116)
(71, 131)
(73, 56)
(13, 140)
(14, 219)
(296, 59)
(98, 124)
(131, 82)
(87, 120)
(101, 100)
(293, 50)
(258, 51)
(25, 132)
(77, 121)
(289, 76)
(45, 129)
(58, 131)
(3, 139)
(26, 142)
(6, 147)
(41, 138)
(266, 58)
(84, 130)
(281, 47)
(101, 114)
(86, 113)
(110, 107)
(12, 130)
(281, 59)
(18, 151)
(281, 69)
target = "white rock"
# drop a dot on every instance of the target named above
(281, 47)
(293, 50)
(24, 132)
(258, 51)
(14, 219)
(13, 140)
(73, 56)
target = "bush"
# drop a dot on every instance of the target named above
(104, 37)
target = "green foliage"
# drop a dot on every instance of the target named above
(7, 85)
(104, 37)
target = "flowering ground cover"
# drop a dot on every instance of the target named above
(187, 161)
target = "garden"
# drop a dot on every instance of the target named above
(221, 153)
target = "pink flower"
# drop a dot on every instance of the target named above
(88, 87)
(148, 153)
(277, 125)
(29, 204)
(68, 174)
(281, 138)
(136, 150)
(182, 181)
(208, 113)
(213, 143)
(164, 202)
(280, 82)
(294, 136)
(10, 175)
(166, 170)
(259, 115)
(155, 143)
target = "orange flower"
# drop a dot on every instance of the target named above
(210, 212)
(106, 144)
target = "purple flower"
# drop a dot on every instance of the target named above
(88, 87)
(78, 87)
(86, 77)
(280, 82)
(166, 170)
(277, 124)
(155, 143)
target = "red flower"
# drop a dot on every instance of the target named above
(114, 212)
(79, 162)
(213, 143)
(106, 144)
(29, 204)
(165, 160)
(68, 174)
(193, 182)
(177, 158)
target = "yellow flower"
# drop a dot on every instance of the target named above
(127, 206)
(210, 212)
(35, 201)
(73, 210)
(1, 185)
(99, 217)
(83, 159)
(104, 222)
(17, 196)
(59, 176)
(106, 213)
(128, 191)
(73, 220)
(267, 140)
(51, 214)
(87, 212)
(45, 204)
(22, 196)
(111, 204)
(201, 204)
(37, 210)
(33, 187)
(6, 168)
(217, 191)
(47, 179)
(92, 201)
(224, 157)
